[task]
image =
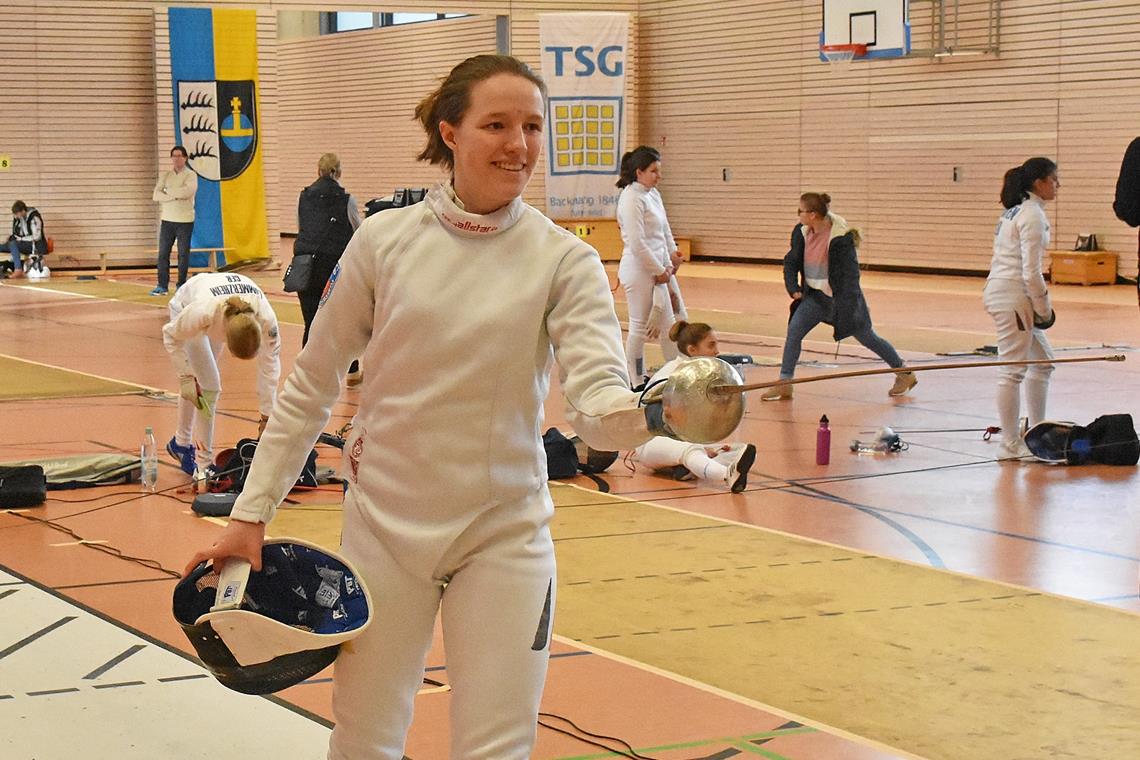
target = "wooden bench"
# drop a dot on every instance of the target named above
(104, 260)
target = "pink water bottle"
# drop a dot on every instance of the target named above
(823, 442)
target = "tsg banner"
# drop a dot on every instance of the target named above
(583, 63)
(213, 67)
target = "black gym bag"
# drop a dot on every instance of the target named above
(24, 486)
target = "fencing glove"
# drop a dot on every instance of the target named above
(1044, 323)
(191, 391)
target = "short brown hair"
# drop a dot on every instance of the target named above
(449, 101)
(19, 206)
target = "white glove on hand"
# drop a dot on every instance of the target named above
(191, 391)
(653, 324)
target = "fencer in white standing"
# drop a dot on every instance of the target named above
(1017, 299)
(464, 535)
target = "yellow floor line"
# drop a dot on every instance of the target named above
(102, 378)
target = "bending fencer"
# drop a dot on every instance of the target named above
(466, 535)
(727, 464)
(211, 310)
(1017, 300)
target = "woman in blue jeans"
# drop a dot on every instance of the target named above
(821, 273)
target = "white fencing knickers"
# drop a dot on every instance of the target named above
(638, 285)
(196, 426)
(495, 589)
(1018, 340)
(661, 452)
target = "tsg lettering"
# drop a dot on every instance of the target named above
(587, 64)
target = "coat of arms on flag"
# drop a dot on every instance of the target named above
(217, 123)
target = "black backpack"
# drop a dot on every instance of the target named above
(561, 456)
(566, 457)
(233, 468)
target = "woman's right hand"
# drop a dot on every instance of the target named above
(663, 278)
(652, 331)
(239, 539)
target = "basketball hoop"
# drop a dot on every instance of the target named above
(841, 56)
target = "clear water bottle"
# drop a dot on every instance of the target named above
(148, 456)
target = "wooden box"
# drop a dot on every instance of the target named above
(605, 236)
(1083, 267)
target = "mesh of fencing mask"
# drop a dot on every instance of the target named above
(1109, 439)
(260, 632)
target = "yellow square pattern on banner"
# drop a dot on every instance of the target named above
(585, 131)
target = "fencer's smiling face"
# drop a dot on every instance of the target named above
(497, 142)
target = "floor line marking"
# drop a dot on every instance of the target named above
(738, 699)
(38, 634)
(130, 651)
(85, 374)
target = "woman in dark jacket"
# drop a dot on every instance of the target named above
(326, 217)
(821, 273)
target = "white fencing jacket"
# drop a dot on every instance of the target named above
(1020, 242)
(646, 237)
(457, 318)
(196, 310)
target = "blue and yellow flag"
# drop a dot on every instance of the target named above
(213, 71)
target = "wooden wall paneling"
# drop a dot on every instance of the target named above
(354, 94)
(77, 93)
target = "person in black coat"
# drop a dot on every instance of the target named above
(326, 216)
(1127, 202)
(821, 274)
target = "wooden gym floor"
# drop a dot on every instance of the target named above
(932, 603)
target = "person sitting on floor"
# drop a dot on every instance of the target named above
(27, 238)
(723, 463)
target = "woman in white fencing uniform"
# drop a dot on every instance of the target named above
(466, 533)
(723, 464)
(209, 311)
(1017, 299)
(648, 259)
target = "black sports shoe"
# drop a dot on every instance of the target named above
(738, 470)
(184, 455)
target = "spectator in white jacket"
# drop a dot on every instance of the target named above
(174, 192)
(211, 310)
(1016, 298)
(649, 260)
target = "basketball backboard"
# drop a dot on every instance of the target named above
(882, 25)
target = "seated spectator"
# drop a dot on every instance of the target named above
(27, 236)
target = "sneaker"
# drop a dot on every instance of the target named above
(1015, 449)
(158, 291)
(777, 393)
(183, 454)
(353, 379)
(904, 381)
(737, 477)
